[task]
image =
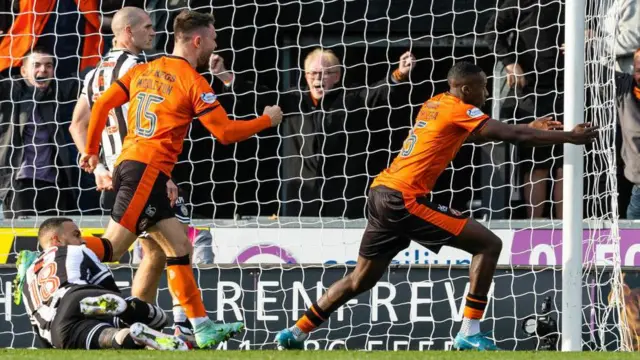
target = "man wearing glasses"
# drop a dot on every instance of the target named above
(325, 134)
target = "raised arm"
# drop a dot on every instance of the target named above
(380, 92)
(240, 87)
(213, 116)
(527, 135)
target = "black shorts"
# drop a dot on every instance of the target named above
(394, 220)
(180, 208)
(70, 328)
(526, 105)
(141, 196)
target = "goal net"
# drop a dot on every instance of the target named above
(286, 208)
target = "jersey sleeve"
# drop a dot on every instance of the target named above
(203, 100)
(469, 117)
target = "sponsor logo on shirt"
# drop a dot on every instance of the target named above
(474, 112)
(208, 98)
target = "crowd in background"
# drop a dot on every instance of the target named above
(346, 112)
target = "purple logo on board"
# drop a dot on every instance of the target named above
(544, 247)
(264, 249)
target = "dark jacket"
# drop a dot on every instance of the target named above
(530, 32)
(325, 147)
(17, 100)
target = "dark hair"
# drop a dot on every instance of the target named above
(51, 224)
(463, 69)
(188, 21)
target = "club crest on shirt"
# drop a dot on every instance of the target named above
(474, 112)
(208, 98)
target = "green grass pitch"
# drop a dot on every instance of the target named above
(8, 354)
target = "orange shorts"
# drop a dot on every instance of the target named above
(395, 220)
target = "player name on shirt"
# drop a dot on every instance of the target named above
(442, 126)
(156, 85)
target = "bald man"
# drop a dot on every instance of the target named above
(327, 147)
(133, 35)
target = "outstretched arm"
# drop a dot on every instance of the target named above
(213, 116)
(228, 131)
(526, 135)
(545, 123)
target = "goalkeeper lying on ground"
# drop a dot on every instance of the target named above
(73, 302)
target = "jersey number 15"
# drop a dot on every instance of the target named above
(146, 119)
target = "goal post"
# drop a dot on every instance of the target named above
(573, 178)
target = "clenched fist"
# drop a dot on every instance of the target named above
(407, 63)
(275, 113)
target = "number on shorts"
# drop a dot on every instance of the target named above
(143, 112)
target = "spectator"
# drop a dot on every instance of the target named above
(526, 35)
(323, 168)
(36, 165)
(623, 24)
(628, 104)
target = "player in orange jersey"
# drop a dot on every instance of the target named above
(400, 211)
(164, 96)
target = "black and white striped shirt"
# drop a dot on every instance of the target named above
(56, 272)
(111, 68)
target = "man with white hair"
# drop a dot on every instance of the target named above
(325, 134)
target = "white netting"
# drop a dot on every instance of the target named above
(314, 170)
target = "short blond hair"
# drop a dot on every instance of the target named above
(324, 53)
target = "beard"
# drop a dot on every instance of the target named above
(203, 60)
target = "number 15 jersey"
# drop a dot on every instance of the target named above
(442, 126)
(164, 96)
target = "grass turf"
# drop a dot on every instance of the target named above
(9, 354)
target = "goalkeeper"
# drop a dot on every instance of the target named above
(73, 302)
(400, 210)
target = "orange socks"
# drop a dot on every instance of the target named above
(312, 318)
(474, 308)
(182, 285)
(100, 246)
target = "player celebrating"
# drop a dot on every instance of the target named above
(67, 287)
(165, 95)
(133, 34)
(400, 211)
